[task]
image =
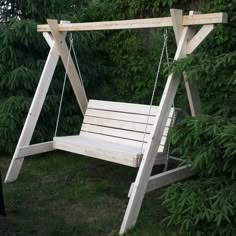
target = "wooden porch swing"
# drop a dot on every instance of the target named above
(124, 133)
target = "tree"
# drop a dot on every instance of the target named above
(207, 206)
(23, 54)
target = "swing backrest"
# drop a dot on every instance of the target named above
(123, 123)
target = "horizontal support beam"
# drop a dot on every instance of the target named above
(174, 159)
(200, 19)
(167, 178)
(35, 149)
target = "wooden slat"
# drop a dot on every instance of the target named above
(121, 153)
(126, 134)
(117, 124)
(123, 107)
(116, 155)
(125, 131)
(83, 140)
(131, 108)
(35, 149)
(120, 116)
(202, 19)
(112, 139)
(33, 114)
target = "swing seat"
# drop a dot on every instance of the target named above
(115, 132)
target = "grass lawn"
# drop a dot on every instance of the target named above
(64, 194)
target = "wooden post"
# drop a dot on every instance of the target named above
(2, 205)
(71, 71)
(191, 87)
(184, 36)
(202, 19)
(141, 181)
(34, 112)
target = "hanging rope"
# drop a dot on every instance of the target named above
(154, 89)
(77, 66)
(63, 86)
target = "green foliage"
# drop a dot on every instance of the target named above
(207, 206)
(202, 207)
(121, 66)
(22, 56)
(209, 143)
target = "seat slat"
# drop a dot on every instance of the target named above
(80, 139)
(97, 151)
(131, 108)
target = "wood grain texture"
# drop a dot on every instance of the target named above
(35, 149)
(148, 160)
(212, 18)
(166, 178)
(34, 112)
(109, 151)
(67, 60)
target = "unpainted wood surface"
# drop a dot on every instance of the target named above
(98, 148)
(101, 137)
(33, 114)
(212, 18)
(67, 60)
(35, 149)
(148, 160)
(127, 121)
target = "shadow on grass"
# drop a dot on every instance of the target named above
(66, 194)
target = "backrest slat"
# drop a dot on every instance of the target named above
(123, 123)
(130, 108)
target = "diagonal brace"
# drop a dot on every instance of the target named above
(71, 71)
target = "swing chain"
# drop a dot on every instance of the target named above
(174, 115)
(154, 89)
(64, 84)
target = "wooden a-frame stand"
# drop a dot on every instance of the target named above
(187, 40)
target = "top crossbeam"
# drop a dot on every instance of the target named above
(201, 19)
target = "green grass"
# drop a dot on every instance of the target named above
(66, 194)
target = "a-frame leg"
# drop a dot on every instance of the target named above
(191, 87)
(141, 182)
(188, 41)
(33, 115)
(67, 60)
